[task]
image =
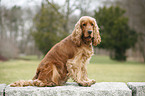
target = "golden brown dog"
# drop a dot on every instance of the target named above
(68, 58)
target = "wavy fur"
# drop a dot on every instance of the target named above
(76, 34)
(97, 38)
(68, 58)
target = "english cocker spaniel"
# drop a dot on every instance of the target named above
(68, 58)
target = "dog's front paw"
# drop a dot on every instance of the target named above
(93, 81)
(87, 83)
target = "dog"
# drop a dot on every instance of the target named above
(68, 58)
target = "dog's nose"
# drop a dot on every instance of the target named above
(89, 31)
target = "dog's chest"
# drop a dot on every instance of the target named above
(83, 55)
(86, 52)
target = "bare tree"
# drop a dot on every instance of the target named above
(8, 35)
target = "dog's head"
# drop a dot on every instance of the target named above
(86, 30)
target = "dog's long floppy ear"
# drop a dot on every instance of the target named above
(97, 38)
(77, 34)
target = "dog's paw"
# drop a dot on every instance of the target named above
(87, 83)
(93, 81)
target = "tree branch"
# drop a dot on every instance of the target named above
(54, 7)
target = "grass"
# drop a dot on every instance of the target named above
(102, 69)
(105, 70)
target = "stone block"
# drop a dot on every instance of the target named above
(72, 89)
(138, 88)
(2, 88)
(111, 89)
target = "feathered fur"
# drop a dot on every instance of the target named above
(68, 58)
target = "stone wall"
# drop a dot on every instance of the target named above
(72, 89)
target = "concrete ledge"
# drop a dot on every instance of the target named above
(72, 89)
(111, 89)
(2, 89)
(138, 88)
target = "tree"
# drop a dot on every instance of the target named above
(10, 22)
(48, 27)
(116, 34)
(135, 11)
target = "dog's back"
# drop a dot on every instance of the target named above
(52, 70)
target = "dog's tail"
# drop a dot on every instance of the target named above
(23, 83)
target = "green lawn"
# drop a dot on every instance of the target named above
(102, 69)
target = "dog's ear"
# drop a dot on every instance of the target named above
(77, 34)
(96, 34)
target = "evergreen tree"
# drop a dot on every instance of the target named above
(48, 28)
(115, 32)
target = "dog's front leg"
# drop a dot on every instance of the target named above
(85, 76)
(74, 71)
(82, 77)
(79, 73)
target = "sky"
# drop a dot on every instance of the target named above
(30, 3)
(22, 3)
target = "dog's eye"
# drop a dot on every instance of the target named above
(92, 24)
(84, 24)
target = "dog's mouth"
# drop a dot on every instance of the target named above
(89, 38)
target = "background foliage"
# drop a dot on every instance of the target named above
(30, 27)
(33, 29)
(47, 28)
(116, 34)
